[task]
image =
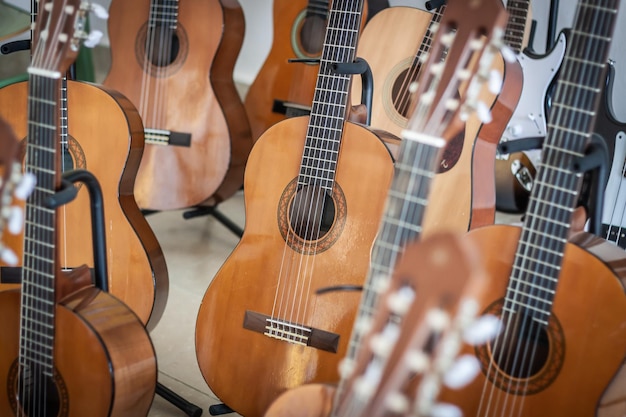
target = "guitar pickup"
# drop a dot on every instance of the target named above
(167, 137)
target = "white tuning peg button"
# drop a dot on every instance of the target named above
(93, 38)
(484, 329)
(495, 82)
(16, 220)
(508, 54)
(462, 372)
(25, 186)
(483, 112)
(100, 11)
(8, 256)
(445, 410)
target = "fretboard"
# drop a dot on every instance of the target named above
(38, 290)
(328, 110)
(163, 13)
(516, 26)
(539, 255)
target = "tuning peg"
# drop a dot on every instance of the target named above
(25, 186)
(495, 82)
(16, 220)
(507, 53)
(8, 256)
(483, 113)
(93, 38)
(99, 11)
(484, 329)
(462, 372)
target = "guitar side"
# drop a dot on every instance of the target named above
(106, 138)
(172, 176)
(250, 277)
(587, 338)
(104, 359)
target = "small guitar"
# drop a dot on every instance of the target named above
(282, 89)
(563, 337)
(163, 58)
(66, 348)
(95, 121)
(410, 343)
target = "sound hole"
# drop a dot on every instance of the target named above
(162, 45)
(312, 213)
(312, 35)
(400, 94)
(35, 394)
(523, 348)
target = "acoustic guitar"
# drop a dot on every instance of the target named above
(66, 348)
(163, 58)
(411, 342)
(96, 121)
(561, 303)
(283, 89)
(314, 190)
(394, 43)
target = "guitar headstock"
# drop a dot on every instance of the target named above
(457, 67)
(13, 184)
(417, 332)
(57, 35)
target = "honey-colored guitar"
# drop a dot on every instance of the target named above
(66, 348)
(95, 121)
(561, 303)
(163, 58)
(314, 190)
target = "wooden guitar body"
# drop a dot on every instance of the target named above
(586, 336)
(104, 360)
(174, 96)
(280, 83)
(246, 369)
(105, 138)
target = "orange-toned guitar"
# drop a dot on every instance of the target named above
(411, 341)
(97, 122)
(246, 274)
(314, 190)
(562, 303)
(282, 89)
(162, 59)
(66, 349)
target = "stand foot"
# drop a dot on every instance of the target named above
(219, 216)
(190, 409)
(220, 409)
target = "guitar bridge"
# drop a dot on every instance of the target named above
(167, 137)
(291, 332)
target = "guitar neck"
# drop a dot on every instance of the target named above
(328, 112)
(546, 227)
(163, 13)
(38, 283)
(516, 27)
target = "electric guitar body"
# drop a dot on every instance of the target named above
(585, 339)
(282, 89)
(161, 59)
(515, 173)
(106, 138)
(104, 359)
(273, 271)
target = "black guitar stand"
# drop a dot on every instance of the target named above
(594, 166)
(68, 193)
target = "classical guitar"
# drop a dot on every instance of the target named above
(410, 343)
(314, 190)
(283, 89)
(66, 348)
(561, 303)
(163, 58)
(393, 43)
(515, 173)
(96, 121)
(219, 329)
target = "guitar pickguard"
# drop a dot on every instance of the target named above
(529, 117)
(614, 211)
